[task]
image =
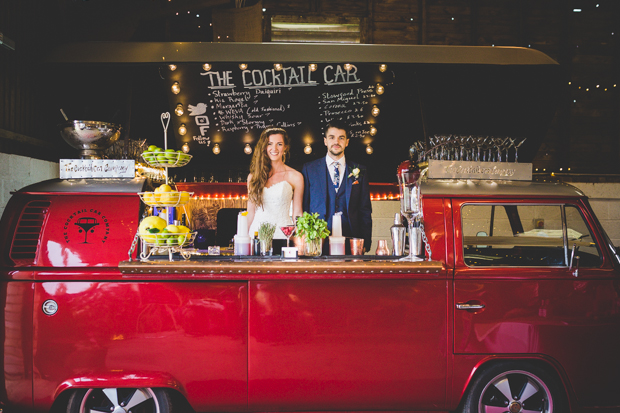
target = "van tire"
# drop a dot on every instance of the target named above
(525, 385)
(144, 400)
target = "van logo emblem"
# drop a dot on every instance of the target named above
(90, 225)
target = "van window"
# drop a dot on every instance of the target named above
(526, 236)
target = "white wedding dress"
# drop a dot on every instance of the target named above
(276, 208)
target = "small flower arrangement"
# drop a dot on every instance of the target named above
(355, 173)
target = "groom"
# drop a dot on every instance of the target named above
(332, 185)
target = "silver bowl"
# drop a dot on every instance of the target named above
(90, 136)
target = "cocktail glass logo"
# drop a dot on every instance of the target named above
(90, 223)
(86, 225)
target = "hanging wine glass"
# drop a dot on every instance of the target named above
(517, 149)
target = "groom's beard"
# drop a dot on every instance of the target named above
(336, 152)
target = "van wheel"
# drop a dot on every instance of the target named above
(119, 401)
(514, 388)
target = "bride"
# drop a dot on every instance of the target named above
(272, 184)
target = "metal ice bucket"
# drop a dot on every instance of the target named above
(90, 136)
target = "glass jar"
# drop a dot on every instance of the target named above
(313, 247)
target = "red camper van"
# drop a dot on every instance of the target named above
(503, 318)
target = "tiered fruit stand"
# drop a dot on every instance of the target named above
(170, 242)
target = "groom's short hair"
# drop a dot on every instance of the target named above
(338, 124)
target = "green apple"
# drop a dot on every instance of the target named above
(181, 239)
(151, 148)
(161, 158)
(172, 241)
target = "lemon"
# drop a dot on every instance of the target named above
(183, 198)
(148, 224)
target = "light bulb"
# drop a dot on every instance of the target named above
(277, 66)
(179, 110)
(172, 67)
(182, 129)
(347, 66)
(313, 67)
(308, 149)
(247, 149)
(375, 111)
(373, 131)
(379, 89)
(243, 66)
(206, 66)
(369, 149)
(176, 88)
(216, 149)
(185, 148)
(382, 68)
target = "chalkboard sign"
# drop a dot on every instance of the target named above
(226, 103)
(231, 104)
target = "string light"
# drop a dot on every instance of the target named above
(176, 88)
(277, 66)
(373, 131)
(375, 111)
(206, 66)
(383, 67)
(185, 148)
(182, 129)
(369, 149)
(348, 66)
(313, 67)
(308, 149)
(379, 89)
(216, 149)
(179, 110)
(243, 66)
(172, 67)
(247, 149)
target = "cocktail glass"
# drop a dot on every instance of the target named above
(288, 231)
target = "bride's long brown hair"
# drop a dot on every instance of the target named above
(260, 167)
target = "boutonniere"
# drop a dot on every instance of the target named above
(355, 173)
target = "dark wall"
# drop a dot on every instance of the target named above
(584, 136)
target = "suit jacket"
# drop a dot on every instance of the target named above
(359, 208)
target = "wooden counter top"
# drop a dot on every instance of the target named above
(253, 268)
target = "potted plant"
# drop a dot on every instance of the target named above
(313, 230)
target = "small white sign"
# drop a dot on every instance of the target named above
(479, 170)
(97, 168)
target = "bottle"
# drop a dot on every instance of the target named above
(397, 231)
(255, 244)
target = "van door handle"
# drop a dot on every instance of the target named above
(467, 306)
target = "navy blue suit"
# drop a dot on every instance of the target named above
(353, 198)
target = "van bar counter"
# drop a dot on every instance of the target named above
(240, 268)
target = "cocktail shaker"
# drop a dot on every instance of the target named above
(397, 231)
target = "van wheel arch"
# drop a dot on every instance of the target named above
(149, 400)
(538, 372)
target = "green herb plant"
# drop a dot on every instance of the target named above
(311, 226)
(266, 231)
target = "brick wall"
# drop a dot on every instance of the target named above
(17, 172)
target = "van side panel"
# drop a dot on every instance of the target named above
(89, 230)
(16, 300)
(194, 334)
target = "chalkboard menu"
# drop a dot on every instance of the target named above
(230, 104)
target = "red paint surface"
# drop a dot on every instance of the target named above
(319, 342)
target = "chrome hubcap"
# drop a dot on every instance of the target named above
(515, 391)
